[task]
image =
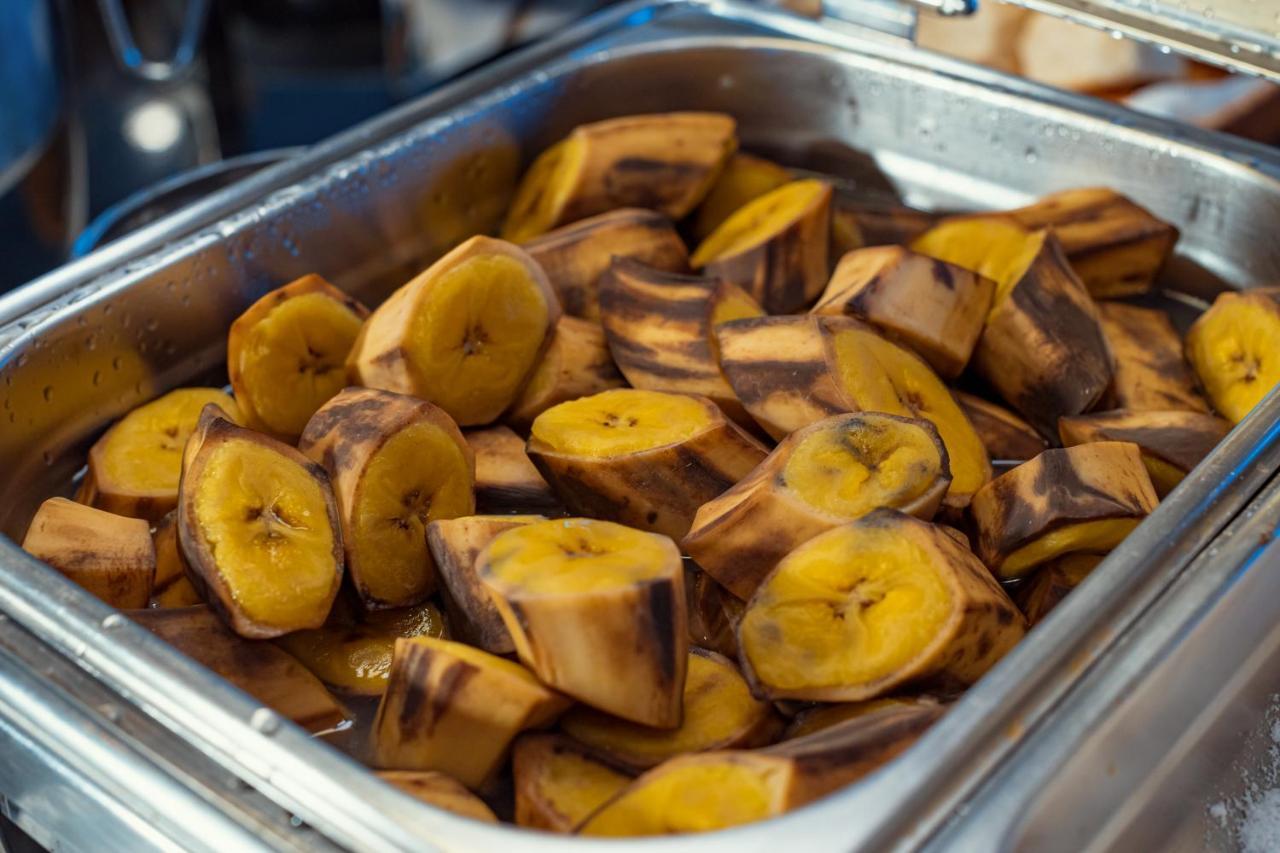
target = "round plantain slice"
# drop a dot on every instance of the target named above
(1042, 348)
(455, 545)
(134, 468)
(1232, 348)
(1085, 498)
(397, 463)
(663, 161)
(660, 330)
(644, 458)
(1006, 436)
(776, 248)
(792, 371)
(259, 527)
(819, 477)
(1172, 443)
(744, 179)
(1050, 585)
(863, 609)
(935, 308)
(171, 588)
(719, 712)
(577, 363)
(455, 709)
(286, 354)
(506, 479)
(263, 670)
(109, 555)
(597, 610)
(1150, 372)
(559, 782)
(576, 256)
(440, 790)
(353, 651)
(464, 334)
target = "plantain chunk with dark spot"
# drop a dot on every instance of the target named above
(1086, 498)
(506, 478)
(1150, 372)
(109, 555)
(1006, 436)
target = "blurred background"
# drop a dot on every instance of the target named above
(114, 111)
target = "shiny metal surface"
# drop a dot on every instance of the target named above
(1176, 719)
(1243, 35)
(372, 207)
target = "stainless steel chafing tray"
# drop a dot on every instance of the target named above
(90, 341)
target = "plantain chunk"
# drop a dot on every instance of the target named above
(775, 248)
(439, 790)
(643, 458)
(865, 608)
(465, 334)
(819, 477)
(576, 256)
(717, 790)
(719, 712)
(1172, 443)
(109, 555)
(559, 781)
(455, 544)
(506, 479)
(286, 354)
(1150, 372)
(1114, 245)
(660, 330)
(792, 371)
(171, 588)
(259, 527)
(856, 224)
(576, 364)
(1049, 586)
(353, 651)
(1006, 436)
(935, 308)
(744, 179)
(134, 468)
(817, 718)
(455, 709)
(1042, 348)
(1079, 499)
(397, 464)
(709, 624)
(1232, 348)
(665, 162)
(597, 610)
(262, 670)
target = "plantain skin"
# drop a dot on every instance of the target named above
(875, 224)
(1115, 246)
(1088, 482)
(577, 363)
(658, 489)
(709, 624)
(506, 479)
(1042, 348)
(212, 429)
(933, 307)
(547, 798)
(1051, 584)
(343, 437)
(1006, 436)
(738, 537)
(660, 330)
(108, 555)
(1150, 372)
(787, 271)
(456, 544)
(982, 626)
(439, 790)
(575, 256)
(238, 346)
(263, 670)
(172, 588)
(381, 357)
(1180, 438)
(456, 713)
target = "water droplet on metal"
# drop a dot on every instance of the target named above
(112, 621)
(265, 721)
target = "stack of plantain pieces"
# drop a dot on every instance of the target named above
(676, 507)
